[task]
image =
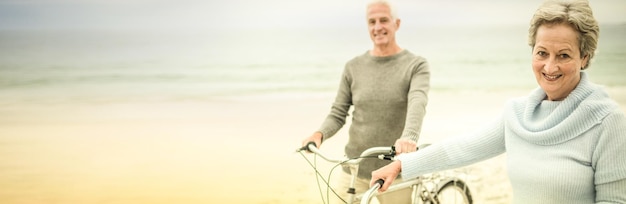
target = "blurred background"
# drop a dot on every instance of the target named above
(102, 51)
(155, 101)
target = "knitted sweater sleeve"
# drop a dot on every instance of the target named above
(417, 100)
(339, 110)
(456, 151)
(609, 162)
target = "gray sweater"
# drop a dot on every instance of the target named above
(570, 151)
(389, 96)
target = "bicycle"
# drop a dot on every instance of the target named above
(434, 188)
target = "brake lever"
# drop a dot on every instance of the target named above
(390, 155)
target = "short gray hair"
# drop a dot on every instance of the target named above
(392, 9)
(577, 14)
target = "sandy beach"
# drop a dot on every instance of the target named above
(230, 150)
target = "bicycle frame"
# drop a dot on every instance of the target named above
(416, 184)
(382, 153)
(353, 164)
(425, 188)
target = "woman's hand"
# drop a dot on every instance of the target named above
(386, 173)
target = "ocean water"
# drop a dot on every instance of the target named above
(116, 66)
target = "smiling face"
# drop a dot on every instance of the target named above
(382, 26)
(556, 60)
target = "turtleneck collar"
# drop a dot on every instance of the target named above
(552, 123)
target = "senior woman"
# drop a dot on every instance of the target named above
(565, 141)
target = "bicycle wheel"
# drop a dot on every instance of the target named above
(453, 192)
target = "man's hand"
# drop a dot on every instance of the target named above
(404, 145)
(315, 137)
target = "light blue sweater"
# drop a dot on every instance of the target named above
(570, 151)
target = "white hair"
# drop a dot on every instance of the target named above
(392, 9)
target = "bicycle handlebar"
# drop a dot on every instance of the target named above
(306, 147)
(371, 192)
(381, 152)
(384, 153)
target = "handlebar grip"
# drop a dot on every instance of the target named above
(380, 182)
(306, 147)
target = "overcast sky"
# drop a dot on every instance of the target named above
(269, 13)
